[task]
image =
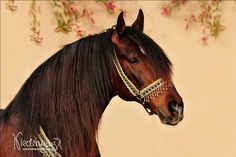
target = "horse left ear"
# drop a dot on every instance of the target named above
(138, 23)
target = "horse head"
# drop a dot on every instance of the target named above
(143, 72)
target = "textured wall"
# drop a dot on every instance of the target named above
(204, 76)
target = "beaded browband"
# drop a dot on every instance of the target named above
(146, 94)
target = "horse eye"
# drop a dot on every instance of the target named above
(134, 60)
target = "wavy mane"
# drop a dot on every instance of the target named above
(69, 92)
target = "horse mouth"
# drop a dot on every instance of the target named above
(171, 119)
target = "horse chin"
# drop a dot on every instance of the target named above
(169, 119)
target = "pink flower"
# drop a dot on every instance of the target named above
(92, 20)
(186, 26)
(204, 40)
(165, 11)
(80, 33)
(194, 18)
(110, 5)
(73, 10)
(84, 12)
(202, 14)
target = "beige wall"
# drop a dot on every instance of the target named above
(204, 75)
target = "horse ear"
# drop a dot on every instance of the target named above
(120, 26)
(138, 23)
(119, 29)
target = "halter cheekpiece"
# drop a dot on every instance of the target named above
(151, 91)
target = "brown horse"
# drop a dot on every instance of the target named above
(57, 110)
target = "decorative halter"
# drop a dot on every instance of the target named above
(151, 91)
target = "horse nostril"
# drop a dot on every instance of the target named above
(175, 108)
(181, 104)
(171, 106)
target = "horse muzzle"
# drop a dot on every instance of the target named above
(176, 113)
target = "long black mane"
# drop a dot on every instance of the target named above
(68, 93)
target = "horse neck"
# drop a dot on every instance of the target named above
(63, 106)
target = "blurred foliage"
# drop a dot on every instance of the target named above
(67, 14)
(207, 14)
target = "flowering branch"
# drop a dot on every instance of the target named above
(68, 16)
(109, 4)
(11, 5)
(208, 17)
(172, 6)
(35, 24)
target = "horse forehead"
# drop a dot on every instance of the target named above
(131, 45)
(141, 49)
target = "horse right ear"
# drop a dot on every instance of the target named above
(119, 29)
(120, 26)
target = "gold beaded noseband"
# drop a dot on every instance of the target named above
(151, 91)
